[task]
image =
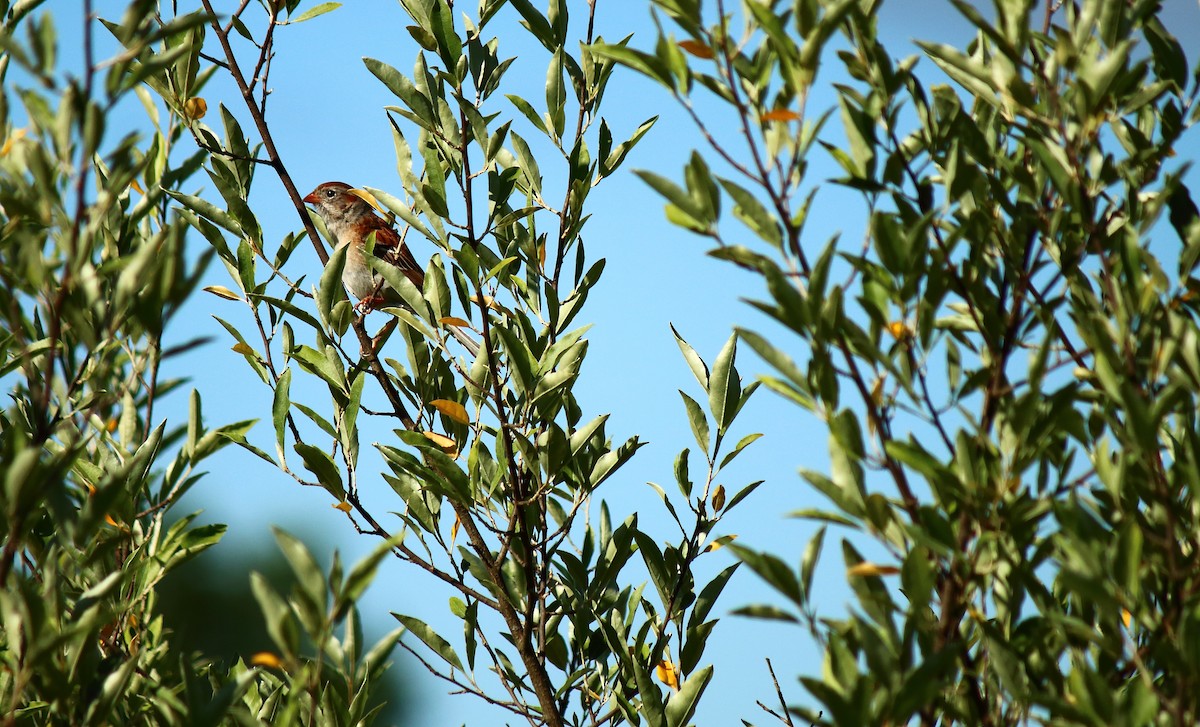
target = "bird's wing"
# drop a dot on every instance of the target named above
(390, 248)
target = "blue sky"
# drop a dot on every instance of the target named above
(326, 114)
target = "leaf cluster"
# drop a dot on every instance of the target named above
(1004, 365)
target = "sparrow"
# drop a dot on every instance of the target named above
(350, 220)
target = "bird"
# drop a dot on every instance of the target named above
(350, 220)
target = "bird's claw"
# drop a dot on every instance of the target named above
(367, 305)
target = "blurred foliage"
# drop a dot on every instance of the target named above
(94, 272)
(1006, 363)
(210, 608)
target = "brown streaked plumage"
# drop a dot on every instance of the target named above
(350, 221)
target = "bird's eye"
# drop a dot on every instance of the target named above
(329, 193)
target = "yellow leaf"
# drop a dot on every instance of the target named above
(448, 445)
(781, 115)
(696, 48)
(454, 321)
(542, 255)
(488, 300)
(222, 292)
(721, 542)
(242, 348)
(877, 400)
(369, 198)
(457, 412)
(668, 674)
(343, 506)
(137, 187)
(1126, 617)
(267, 659)
(454, 529)
(899, 329)
(871, 569)
(718, 497)
(12, 139)
(195, 108)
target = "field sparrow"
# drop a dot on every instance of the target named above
(350, 220)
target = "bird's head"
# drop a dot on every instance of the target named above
(339, 200)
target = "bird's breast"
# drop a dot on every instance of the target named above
(360, 280)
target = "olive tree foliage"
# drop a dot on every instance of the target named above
(1006, 361)
(94, 273)
(492, 463)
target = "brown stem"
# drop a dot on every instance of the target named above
(276, 162)
(520, 628)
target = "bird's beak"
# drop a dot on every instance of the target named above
(311, 198)
(369, 198)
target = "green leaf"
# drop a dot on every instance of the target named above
(528, 112)
(321, 464)
(362, 574)
(430, 638)
(449, 44)
(610, 160)
(315, 11)
(404, 212)
(724, 387)
(681, 475)
(527, 162)
(765, 611)
(537, 24)
(644, 63)
(742, 494)
(655, 565)
(331, 290)
(1185, 218)
(280, 406)
(581, 435)
(971, 74)
(742, 444)
(521, 360)
(404, 89)
(751, 212)
(694, 362)
(323, 366)
(682, 705)
(304, 566)
(676, 195)
(413, 298)
(281, 625)
(556, 94)
(1053, 159)
(709, 594)
(698, 421)
(1129, 560)
(772, 570)
(207, 210)
(808, 562)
